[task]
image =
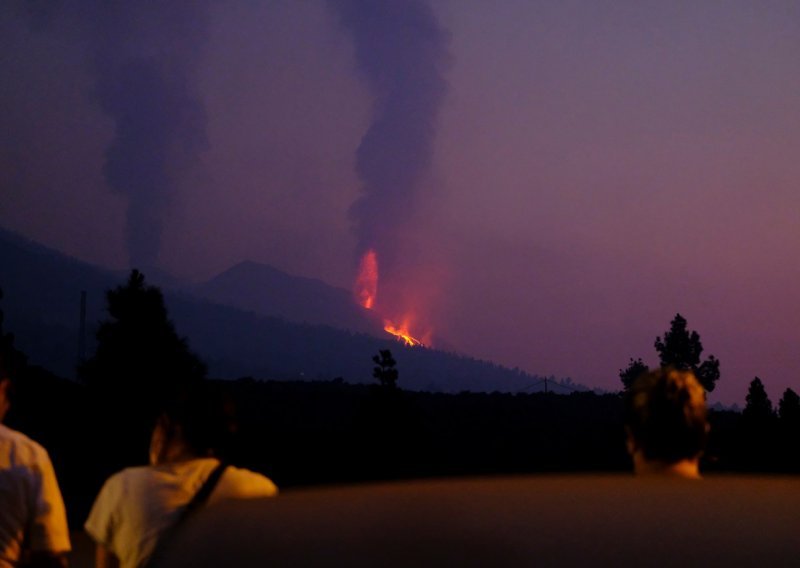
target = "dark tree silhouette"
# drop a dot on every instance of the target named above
(789, 409)
(139, 359)
(633, 371)
(385, 371)
(758, 444)
(758, 408)
(681, 348)
(789, 422)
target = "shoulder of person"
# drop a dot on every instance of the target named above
(120, 482)
(25, 450)
(110, 501)
(240, 482)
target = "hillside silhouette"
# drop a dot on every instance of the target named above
(43, 289)
(267, 291)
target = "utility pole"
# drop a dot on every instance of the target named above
(82, 330)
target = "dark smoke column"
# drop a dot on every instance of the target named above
(145, 55)
(401, 52)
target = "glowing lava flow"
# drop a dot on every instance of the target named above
(401, 333)
(366, 286)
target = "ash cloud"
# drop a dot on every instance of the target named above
(401, 51)
(144, 57)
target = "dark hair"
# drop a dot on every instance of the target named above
(4, 370)
(10, 364)
(205, 419)
(5, 376)
(666, 415)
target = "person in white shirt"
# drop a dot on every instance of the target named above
(137, 506)
(33, 520)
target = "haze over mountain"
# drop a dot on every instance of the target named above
(42, 306)
(265, 290)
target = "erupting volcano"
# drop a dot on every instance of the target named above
(366, 293)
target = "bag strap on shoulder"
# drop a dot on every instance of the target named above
(203, 493)
(196, 503)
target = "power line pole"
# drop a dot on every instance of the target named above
(82, 330)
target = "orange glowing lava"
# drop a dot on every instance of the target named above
(402, 333)
(366, 286)
(365, 291)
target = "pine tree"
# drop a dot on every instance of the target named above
(789, 409)
(139, 354)
(681, 348)
(789, 422)
(633, 371)
(140, 363)
(758, 444)
(758, 408)
(385, 371)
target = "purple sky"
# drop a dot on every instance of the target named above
(597, 167)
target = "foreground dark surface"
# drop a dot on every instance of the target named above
(510, 521)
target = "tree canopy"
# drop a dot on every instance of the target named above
(758, 407)
(385, 371)
(679, 348)
(789, 408)
(138, 349)
(635, 368)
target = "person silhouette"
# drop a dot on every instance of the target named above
(139, 506)
(666, 424)
(33, 520)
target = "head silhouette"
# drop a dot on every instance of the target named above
(666, 422)
(7, 371)
(193, 422)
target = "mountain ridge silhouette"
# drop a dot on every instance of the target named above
(41, 302)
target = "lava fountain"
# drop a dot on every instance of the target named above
(366, 286)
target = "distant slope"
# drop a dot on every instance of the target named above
(42, 298)
(267, 291)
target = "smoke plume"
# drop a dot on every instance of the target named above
(144, 57)
(401, 52)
